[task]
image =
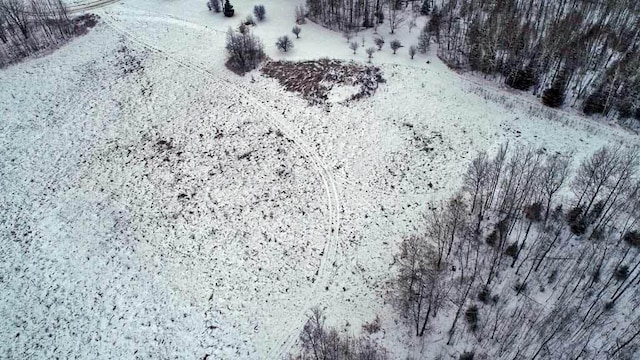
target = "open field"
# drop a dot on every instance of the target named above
(156, 205)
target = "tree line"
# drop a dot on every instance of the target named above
(27, 27)
(529, 262)
(353, 15)
(581, 52)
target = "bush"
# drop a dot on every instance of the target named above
(632, 238)
(467, 355)
(260, 12)
(370, 51)
(354, 45)
(492, 238)
(520, 287)
(594, 104)
(249, 21)
(522, 79)
(471, 315)
(621, 273)
(576, 221)
(245, 51)
(379, 42)
(425, 9)
(512, 250)
(284, 43)
(395, 45)
(484, 295)
(553, 97)
(214, 5)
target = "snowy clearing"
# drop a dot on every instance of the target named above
(156, 205)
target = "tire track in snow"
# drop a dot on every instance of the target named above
(327, 260)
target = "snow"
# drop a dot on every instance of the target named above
(174, 209)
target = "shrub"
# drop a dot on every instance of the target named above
(492, 238)
(621, 272)
(553, 97)
(249, 20)
(395, 45)
(370, 52)
(467, 355)
(512, 250)
(521, 79)
(576, 221)
(214, 5)
(594, 104)
(284, 43)
(632, 238)
(484, 295)
(296, 31)
(379, 42)
(520, 287)
(354, 46)
(245, 51)
(533, 212)
(425, 9)
(373, 326)
(471, 315)
(260, 12)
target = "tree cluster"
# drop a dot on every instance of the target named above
(245, 51)
(321, 342)
(584, 51)
(534, 263)
(354, 14)
(27, 27)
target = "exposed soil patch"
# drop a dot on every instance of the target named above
(315, 80)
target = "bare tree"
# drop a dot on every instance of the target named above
(354, 46)
(296, 31)
(395, 45)
(284, 43)
(379, 42)
(412, 51)
(370, 51)
(396, 16)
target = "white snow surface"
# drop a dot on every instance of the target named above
(156, 205)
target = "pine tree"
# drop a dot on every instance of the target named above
(425, 9)
(423, 40)
(228, 9)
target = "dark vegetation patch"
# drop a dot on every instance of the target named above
(314, 79)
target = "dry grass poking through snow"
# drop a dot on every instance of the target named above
(314, 80)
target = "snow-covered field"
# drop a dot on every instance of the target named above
(156, 205)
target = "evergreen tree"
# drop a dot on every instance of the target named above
(426, 8)
(423, 40)
(228, 9)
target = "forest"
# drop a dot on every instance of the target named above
(579, 53)
(583, 53)
(27, 27)
(531, 259)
